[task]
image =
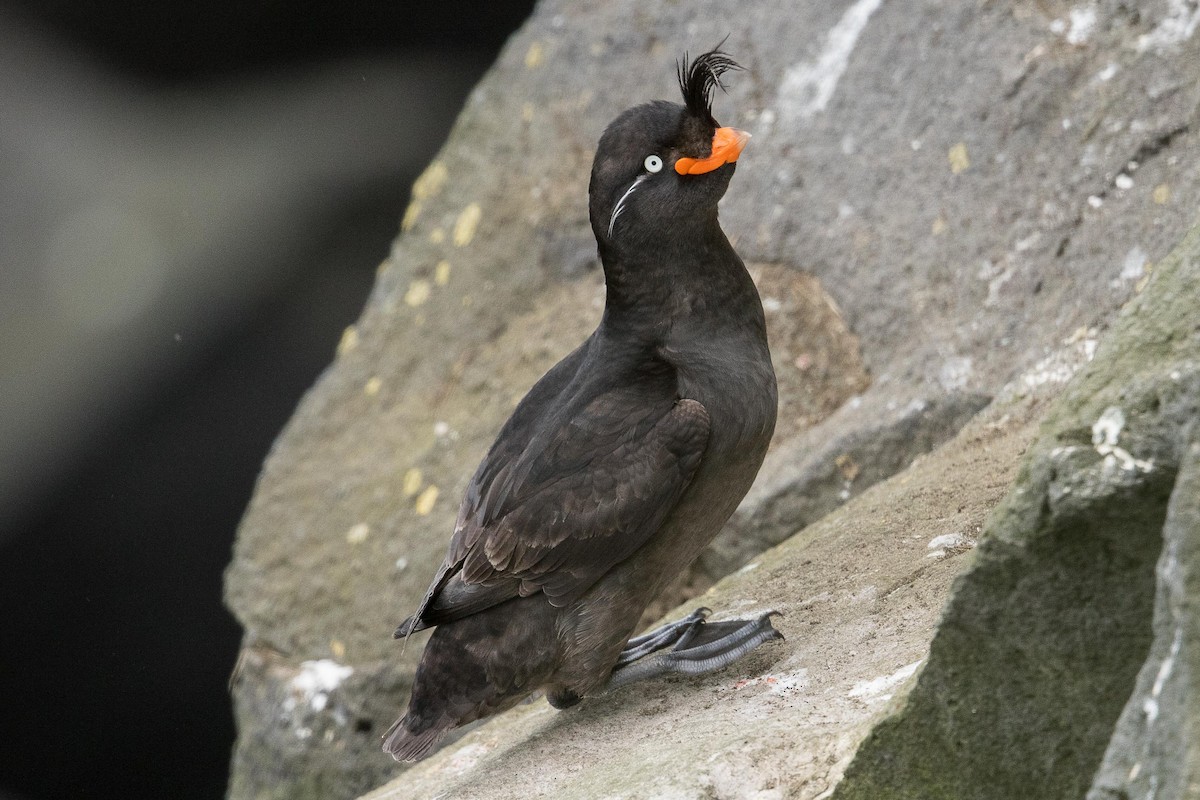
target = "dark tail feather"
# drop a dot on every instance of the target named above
(406, 745)
(455, 600)
(409, 626)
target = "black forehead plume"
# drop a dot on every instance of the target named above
(698, 79)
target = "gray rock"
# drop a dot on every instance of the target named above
(1155, 748)
(958, 180)
(1039, 649)
(806, 478)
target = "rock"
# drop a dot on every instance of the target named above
(1040, 646)
(805, 478)
(945, 175)
(1155, 748)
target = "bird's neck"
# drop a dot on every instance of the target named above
(691, 277)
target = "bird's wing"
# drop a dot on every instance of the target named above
(577, 498)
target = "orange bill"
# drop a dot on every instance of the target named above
(727, 145)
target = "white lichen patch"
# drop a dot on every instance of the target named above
(1150, 709)
(955, 373)
(1052, 369)
(939, 545)
(1115, 457)
(1106, 431)
(808, 87)
(1081, 22)
(1160, 680)
(312, 685)
(358, 533)
(322, 675)
(880, 688)
(788, 681)
(1179, 25)
(1058, 367)
(1134, 265)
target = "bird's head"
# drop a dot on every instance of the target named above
(661, 167)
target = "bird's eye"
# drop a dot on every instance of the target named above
(652, 164)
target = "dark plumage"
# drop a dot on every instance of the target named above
(623, 461)
(699, 79)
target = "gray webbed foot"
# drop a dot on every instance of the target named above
(676, 633)
(697, 646)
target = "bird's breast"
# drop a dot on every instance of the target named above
(735, 383)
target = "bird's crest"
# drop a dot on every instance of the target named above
(698, 79)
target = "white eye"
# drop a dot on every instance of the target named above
(652, 163)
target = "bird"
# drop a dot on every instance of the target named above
(623, 461)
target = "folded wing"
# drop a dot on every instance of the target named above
(555, 512)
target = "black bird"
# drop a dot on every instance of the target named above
(623, 461)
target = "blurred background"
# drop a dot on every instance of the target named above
(193, 202)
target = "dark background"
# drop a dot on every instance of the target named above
(114, 645)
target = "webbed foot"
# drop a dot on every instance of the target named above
(697, 646)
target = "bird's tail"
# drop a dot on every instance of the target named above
(408, 745)
(475, 667)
